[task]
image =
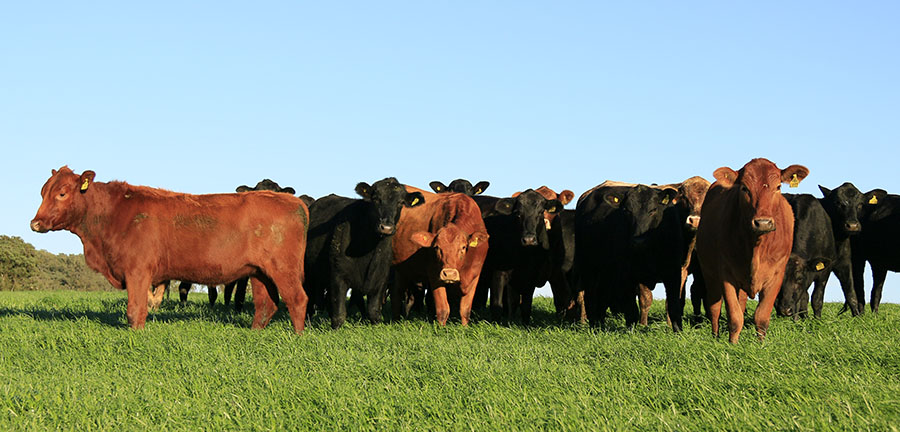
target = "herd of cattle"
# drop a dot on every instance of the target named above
(457, 249)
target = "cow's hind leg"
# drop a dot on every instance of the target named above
(645, 300)
(878, 276)
(136, 284)
(291, 291)
(264, 303)
(156, 297)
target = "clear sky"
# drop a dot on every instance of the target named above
(201, 97)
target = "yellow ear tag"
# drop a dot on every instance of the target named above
(795, 181)
(666, 200)
(84, 186)
(474, 242)
(820, 266)
(615, 199)
(552, 209)
(415, 200)
(874, 200)
(477, 191)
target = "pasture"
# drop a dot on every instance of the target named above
(68, 362)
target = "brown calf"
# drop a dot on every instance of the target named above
(138, 237)
(744, 241)
(440, 244)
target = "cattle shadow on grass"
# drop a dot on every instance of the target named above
(112, 313)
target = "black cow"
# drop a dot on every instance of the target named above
(845, 206)
(349, 246)
(813, 258)
(566, 299)
(877, 243)
(462, 186)
(626, 236)
(518, 258)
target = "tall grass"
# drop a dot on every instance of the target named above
(68, 362)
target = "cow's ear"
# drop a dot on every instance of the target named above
(413, 199)
(53, 172)
(825, 191)
(875, 196)
(480, 187)
(794, 174)
(505, 206)
(553, 206)
(243, 188)
(438, 186)
(289, 190)
(725, 176)
(87, 178)
(667, 196)
(363, 189)
(613, 199)
(422, 238)
(478, 238)
(308, 200)
(566, 196)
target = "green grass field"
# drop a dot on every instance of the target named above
(68, 362)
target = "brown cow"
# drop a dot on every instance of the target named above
(440, 244)
(744, 241)
(139, 237)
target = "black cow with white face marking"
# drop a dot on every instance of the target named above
(627, 236)
(462, 186)
(349, 246)
(845, 206)
(518, 258)
(813, 258)
(877, 244)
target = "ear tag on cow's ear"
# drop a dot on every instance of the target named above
(874, 200)
(820, 266)
(474, 242)
(477, 191)
(85, 185)
(615, 199)
(414, 201)
(665, 200)
(795, 181)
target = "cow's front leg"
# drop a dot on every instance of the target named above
(136, 284)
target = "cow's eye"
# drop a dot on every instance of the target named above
(779, 187)
(62, 194)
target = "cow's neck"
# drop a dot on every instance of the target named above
(94, 227)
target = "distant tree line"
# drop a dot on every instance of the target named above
(23, 268)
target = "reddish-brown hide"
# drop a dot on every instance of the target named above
(138, 237)
(744, 241)
(441, 244)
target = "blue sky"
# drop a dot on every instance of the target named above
(206, 96)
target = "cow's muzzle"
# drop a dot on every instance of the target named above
(37, 226)
(692, 222)
(852, 227)
(529, 240)
(386, 229)
(449, 275)
(763, 225)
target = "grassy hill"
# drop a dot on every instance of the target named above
(68, 362)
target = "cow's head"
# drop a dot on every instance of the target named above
(691, 194)
(450, 245)
(798, 275)
(462, 186)
(563, 197)
(760, 186)
(846, 206)
(266, 185)
(387, 198)
(63, 201)
(528, 209)
(642, 207)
